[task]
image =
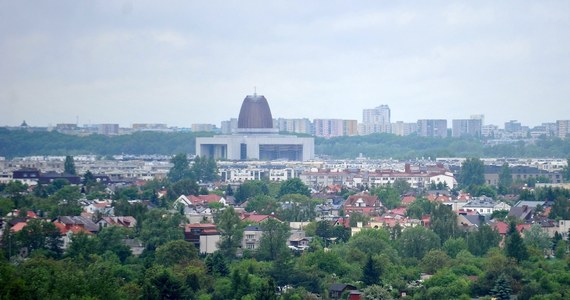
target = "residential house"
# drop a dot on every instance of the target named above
(204, 237)
(337, 289)
(251, 237)
(484, 205)
(363, 203)
(123, 221)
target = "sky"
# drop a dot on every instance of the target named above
(185, 62)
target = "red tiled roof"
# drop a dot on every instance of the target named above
(31, 214)
(18, 226)
(253, 217)
(406, 200)
(211, 198)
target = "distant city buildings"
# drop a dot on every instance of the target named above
(563, 128)
(402, 129)
(432, 128)
(204, 128)
(466, 127)
(375, 120)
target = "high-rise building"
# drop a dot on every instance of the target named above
(466, 127)
(350, 127)
(229, 126)
(513, 126)
(432, 128)
(375, 120)
(294, 125)
(328, 127)
(563, 128)
(402, 129)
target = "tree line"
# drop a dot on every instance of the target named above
(23, 143)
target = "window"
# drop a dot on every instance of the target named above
(249, 236)
(250, 246)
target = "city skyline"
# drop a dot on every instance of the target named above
(192, 62)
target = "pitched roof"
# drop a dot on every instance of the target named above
(18, 226)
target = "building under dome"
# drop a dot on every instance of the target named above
(255, 138)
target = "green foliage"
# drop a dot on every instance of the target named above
(231, 229)
(262, 204)
(480, 241)
(502, 289)
(433, 261)
(294, 186)
(176, 252)
(180, 168)
(419, 208)
(560, 209)
(417, 241)
(272, 244)
(505, 179)
(472, 172)
(69, 165)
(454, 245)
(204, 169)
(251, 189)
(537, 238)
(443, 221)
(514, 245)
(389, 196)
(370, 273)
(376, 292)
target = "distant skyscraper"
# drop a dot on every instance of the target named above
(402, 129)
(432, 128)
(563, 128)
(375, 120)
(229, 126)
(513, 126)
(294, 125)
(466, 127)
(479, 117)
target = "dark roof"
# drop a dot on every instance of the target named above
(339, 287)
(255, 113)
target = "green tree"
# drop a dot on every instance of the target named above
(401, 186)
(216, 264)
(480, 241)
(176, 252)
(376, 292)
(204, 169)
(472, 172)
(443, 221)
(293, 186)
(514, 245)
(454, 245)
(231, 229)
(262, 204)
(69, 165)
(186, 187)
(560, 208)
(502, 289)
(505, 179)
(417, 241)
(419, 208)
(389, 196)
(251, 189)
(180, 169)
(433, 261)
(370, 273)
(273, 242)
(566, 170)
(537, 238)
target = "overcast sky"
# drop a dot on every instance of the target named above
(185, 62)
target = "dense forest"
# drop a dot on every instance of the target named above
(24, 143)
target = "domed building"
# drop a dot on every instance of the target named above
(255, 138)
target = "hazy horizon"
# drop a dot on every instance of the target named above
(188, 62)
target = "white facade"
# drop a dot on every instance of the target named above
(256, 147)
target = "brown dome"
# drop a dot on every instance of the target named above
(255, 113)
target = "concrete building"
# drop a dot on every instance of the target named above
(466, 127)
(256, 138)
(376, 120)
(563, 128)
(203, 127)
(432, 128)
(294, 125)
(403, 129)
